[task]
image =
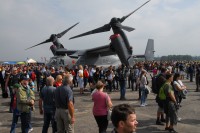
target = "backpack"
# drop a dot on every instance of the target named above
(161, 94)
(13, 79)
(154, 84)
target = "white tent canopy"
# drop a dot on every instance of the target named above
(31, 61)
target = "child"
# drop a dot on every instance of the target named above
(31, 84)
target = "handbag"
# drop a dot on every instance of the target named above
(183, 93)
(109, 114)
(147, 89)
(109, 109)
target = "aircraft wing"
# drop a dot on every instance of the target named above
(102, 51)
(70, 52)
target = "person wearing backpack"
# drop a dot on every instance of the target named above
(166, 94)
(158, 83)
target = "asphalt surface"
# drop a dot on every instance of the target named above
(146, 116)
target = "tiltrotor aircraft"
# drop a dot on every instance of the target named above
(119, 44)
(117, 52)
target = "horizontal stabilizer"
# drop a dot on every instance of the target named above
(149, 52)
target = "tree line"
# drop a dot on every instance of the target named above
(178, 58)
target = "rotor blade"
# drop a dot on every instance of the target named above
(125, 17)
(62, 33)
(104, 28)
(48, 40)
(127, 28)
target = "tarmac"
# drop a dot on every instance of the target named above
(146, 116)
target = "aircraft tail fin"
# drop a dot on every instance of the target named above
(149, 52)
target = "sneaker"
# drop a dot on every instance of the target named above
(179, 119)
(142, 105)
(167, 128)
(171, 130)
(145, 104)
(163, 120)
(30, 130)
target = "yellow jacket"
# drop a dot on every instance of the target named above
(23, 99)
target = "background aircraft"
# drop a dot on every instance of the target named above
(117, 52)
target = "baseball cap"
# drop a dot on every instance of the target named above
(24, 78)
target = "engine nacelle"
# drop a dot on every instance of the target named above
(53, 49)
(118, 44)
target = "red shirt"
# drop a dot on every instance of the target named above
(100, 103)
(57, 84)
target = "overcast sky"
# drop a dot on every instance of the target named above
(173, 24)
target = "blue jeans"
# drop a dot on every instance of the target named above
(143, 95)
(122, 88)
(85, 82)
(16, 115)
(49, 117)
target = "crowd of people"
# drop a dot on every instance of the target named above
(55, 88)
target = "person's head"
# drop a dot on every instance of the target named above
(80, 67)
(67, 79)
(176, 76)
(163, 70)
(14, 70)
(169, 77)
(59, 78)
(143, 73)
(24, 81)
(123, 118)
(50, 80)
(99, 85)
(169, 69)
(85, 67)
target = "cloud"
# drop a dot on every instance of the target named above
(173, 24)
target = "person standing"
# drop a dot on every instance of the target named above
(11, 80)
(122, 81)
(143, 83)
(159, 83)
(100, 109)
(191, 72)
(25, 102)
(64, 106)
(197, 77)
(16, 113)
(47, 102)
(80, 79)
(178, 87)
(85, 76)
(2, 80)
(124, 119)
(170, 104)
